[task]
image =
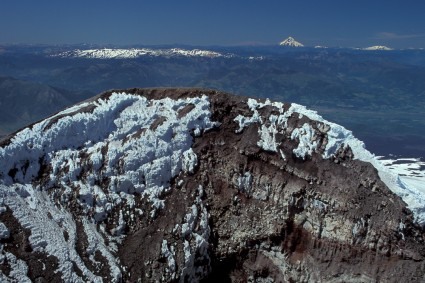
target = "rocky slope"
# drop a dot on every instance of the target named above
(167, 185)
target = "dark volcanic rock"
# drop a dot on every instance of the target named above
(165, 185)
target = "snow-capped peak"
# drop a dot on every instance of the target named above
(377, 47)
(291, 42)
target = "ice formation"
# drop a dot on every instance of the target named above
(136, 143)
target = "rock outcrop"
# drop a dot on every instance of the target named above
(167, 185)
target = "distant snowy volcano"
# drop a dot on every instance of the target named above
(291, 42)
(377, 47)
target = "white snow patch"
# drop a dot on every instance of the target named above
(148, 161)
(307, 143)
(169, 254)
(268, 135)
(18, 269)
(45, 222)
(96, 243)
(4, 231)
(190, 160)
(268, 131)
(196, 231)
(245, 182)
(189, 224)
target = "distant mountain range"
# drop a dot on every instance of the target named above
(120, 53)
(98, 52)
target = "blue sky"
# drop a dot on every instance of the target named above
(399, 24)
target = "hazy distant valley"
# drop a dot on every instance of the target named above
(379, 95)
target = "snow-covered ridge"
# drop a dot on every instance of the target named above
(120, 53)
(337, 135)
(412, 192)
(151, 130)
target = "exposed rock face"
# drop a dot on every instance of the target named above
(188, 185)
